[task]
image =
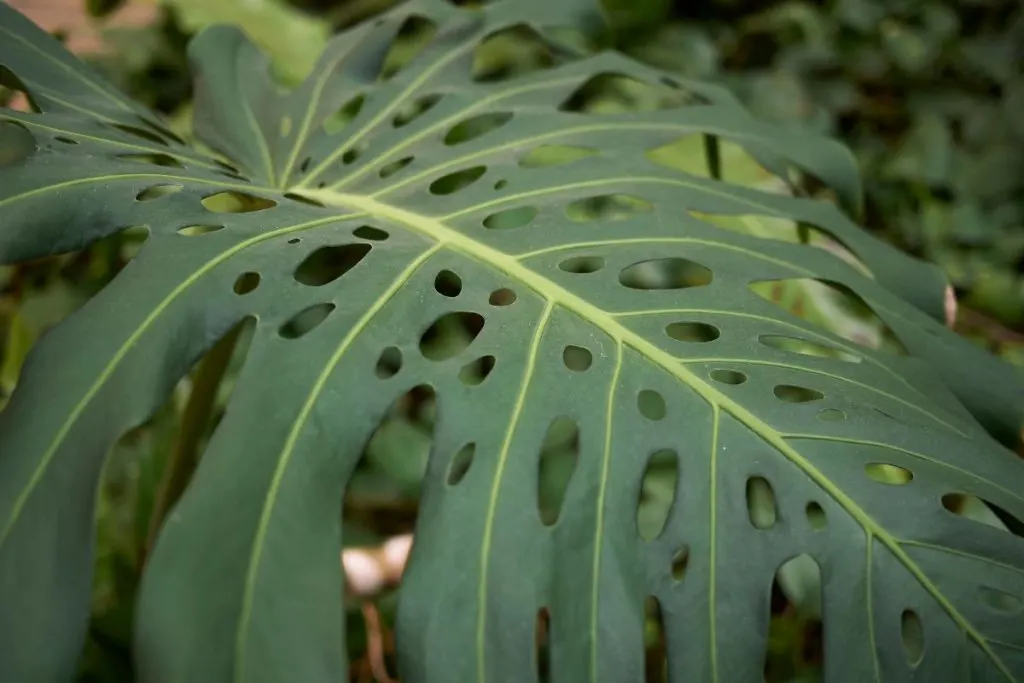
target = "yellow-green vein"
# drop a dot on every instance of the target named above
(868, 602)
(492, 501)
(602, 488)
(716, 421)
(261, 140)
(556, 294)
(111, 366)
(252, 573)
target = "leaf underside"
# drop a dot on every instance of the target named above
(637, 324)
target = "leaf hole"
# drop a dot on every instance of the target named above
(700, 333)
(368, 232)
(612, 93)
(450, 335)
(389, 363)
(327, 264)
(197, 230)
(415, 109)
(510, 219)
(302, 199)
(461, 462)
(999, 600)
(246, 282)
(791, 393)
(815, 516)
(66, 141)
(651, 404)
(665, 273)
(232, 201)
(140, 133)
(795, 614)
(761, 506)
(805, 348)
(884, 473)
(831, 415)
(447, 283)
(655, 643)
(823, 302)
(680, 563)
(983, 511)
(338, 121)
(577, 358)
(162, 160)
(476, 126)
(475, 372)
(732, 377)
(502, 297)
(351, 155)
(545, 156)
(501, 184)
(413, 37)
(557, 463)
(459, 180)
(388, 170)
(510, 52)
(542, 640)
(607, 207)
(582, 265)
(305, 321)
(657, 493)
(912, 636)
(158, 191)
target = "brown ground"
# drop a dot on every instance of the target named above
(68, 16)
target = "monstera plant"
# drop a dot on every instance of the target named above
(577, 280)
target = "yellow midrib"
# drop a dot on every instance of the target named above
(452, 239)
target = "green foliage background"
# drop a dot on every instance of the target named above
(929, 94)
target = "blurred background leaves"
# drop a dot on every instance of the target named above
(929, 95)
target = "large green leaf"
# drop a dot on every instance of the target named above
(598, 283)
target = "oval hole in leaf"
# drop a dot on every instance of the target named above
(475, 372)
(305, 321)
(388, 170)
(247, 282)
(368, 232)
(163, 160)
(607, 207)
(197, 230)
(806, 348)
(731, 377)
(816, 516)
(345, 115)
(412, 38)
(502, 297)
(557, 463)
(447, 283)
(761, 505)
(983, 511)
(655, 644)
(798, 583)
(665, 273)
(832, 307)
(651, 404)
(577, 358)
(700, 333)
(831, 415)
(66, 141)
(450, 335)
(351, 155)
(657, 493)
(327, 264)
(511, 218)
(680, 563)
(236, 202)
(790, 393)
(389, 363)
(302, 199)
(542, 641)
(158, 191)
(581, 265)
(912, 636)
(415, 109)
(459, 180)
(140, 133)
(461, 463)
(554, 155)
(1000, 601)
(884, 473)
(474, 127)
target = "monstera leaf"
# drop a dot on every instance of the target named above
(476, 228)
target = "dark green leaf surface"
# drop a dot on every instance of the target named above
(650, 303)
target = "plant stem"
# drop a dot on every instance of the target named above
(184, 455)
